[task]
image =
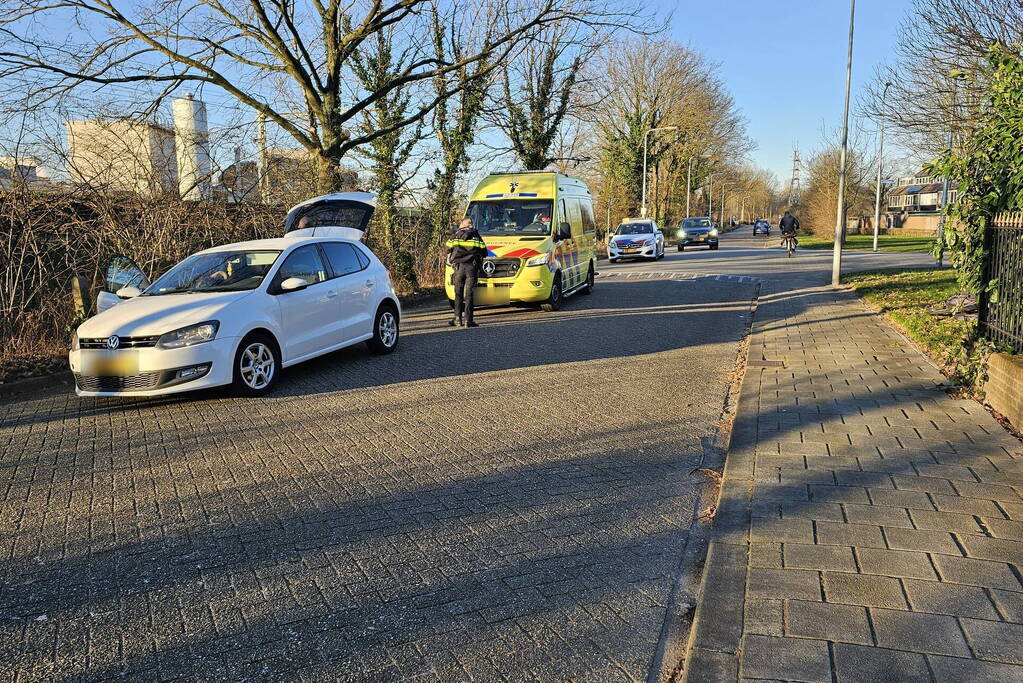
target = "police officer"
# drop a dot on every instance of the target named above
(466, 250)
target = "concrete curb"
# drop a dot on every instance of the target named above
(714, 638)
(30, 385)
(685, 604)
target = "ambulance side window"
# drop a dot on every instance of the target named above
(562, 212)
(575, 217)
(589, 224)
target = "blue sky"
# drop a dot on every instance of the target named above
(784, 61)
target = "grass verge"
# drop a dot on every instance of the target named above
(866, 242)
(904, 297)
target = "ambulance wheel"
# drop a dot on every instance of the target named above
(557, 296)
(588, 288)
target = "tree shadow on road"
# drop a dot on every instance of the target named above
(560, 567)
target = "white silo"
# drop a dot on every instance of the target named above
(192, 140)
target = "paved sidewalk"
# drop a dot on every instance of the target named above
(870, 526)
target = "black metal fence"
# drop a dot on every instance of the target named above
(1001, 311)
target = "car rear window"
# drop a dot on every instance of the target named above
(343, 258)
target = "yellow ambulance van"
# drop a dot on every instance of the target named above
(541, 239)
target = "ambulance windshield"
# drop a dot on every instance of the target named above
(512, 216)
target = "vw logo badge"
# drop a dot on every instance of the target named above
(489, 268)
(113, 341)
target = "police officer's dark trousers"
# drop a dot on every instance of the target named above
(464, 280)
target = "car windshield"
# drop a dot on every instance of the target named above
(512, 216)
(634, 229)
(218, 271)
(696, 223)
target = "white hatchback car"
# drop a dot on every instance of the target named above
(239, 313)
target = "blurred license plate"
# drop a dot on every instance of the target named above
(700, 239)
(110, 363)
(630, 251)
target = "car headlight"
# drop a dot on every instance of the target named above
(75, 344)
(648, 243)
(714, 232)
(540, 260)
(189, 336)
(681, 234)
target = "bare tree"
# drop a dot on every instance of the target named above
(938, 42)
(647, 84)
(820, 194)
(537, 88)
(544, 84)
(289, 61)
(455, 119)
(378, 61)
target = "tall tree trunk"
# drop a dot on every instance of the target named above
(443, 208)
(387, 218)
(328, 173)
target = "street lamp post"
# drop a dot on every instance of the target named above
(880, 157)
(710, 196)
(607, 232)
(944, 181)
(646, 139)
(721, 210)
(689, 187)
(836, 261)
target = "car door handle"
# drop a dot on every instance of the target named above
(331, 293)
(369, 284)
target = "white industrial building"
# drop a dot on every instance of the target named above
(143, 157)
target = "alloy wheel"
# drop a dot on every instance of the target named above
(388, 329)
(257, 365)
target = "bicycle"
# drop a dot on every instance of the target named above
(790, 243)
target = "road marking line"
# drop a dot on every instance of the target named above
(678, 275)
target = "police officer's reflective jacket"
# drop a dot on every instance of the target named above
(466, 246)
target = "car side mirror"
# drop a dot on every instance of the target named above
(293, 284)
(128, 292)
(564, 231)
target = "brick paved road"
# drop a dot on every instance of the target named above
(449, 511)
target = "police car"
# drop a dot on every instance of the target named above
(636, 238)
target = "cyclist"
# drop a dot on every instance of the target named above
(789, 226)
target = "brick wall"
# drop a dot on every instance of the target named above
(1004, 387)
(918, 225)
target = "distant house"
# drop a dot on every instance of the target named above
(914, 204)
(919, 194)
(290, 177)
(27, 170)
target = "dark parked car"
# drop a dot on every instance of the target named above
(762, 227)
(697, 232)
